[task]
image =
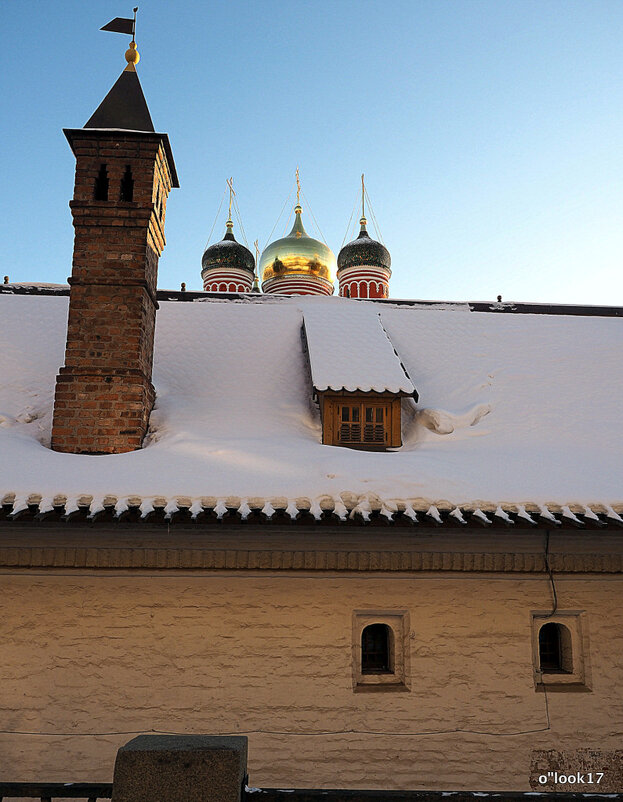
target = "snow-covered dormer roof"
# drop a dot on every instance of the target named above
(517, 412)
(350, 350)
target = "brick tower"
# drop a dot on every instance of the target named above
(124, 172)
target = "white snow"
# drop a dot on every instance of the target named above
(514, 411)
(350, 350)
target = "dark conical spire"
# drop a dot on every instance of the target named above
(124, 109)
(124, 106)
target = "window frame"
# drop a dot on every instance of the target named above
(573, 666)
(331, 405)
(396, 679)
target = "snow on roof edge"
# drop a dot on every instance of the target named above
(343, 506)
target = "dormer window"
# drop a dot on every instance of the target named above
(358, 389)
(359, 420)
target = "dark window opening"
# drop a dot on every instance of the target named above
(127, 185)
(374, 429)
(555, 649)
(350, 427)
(347, 292)
(376, 650)
(100, 192)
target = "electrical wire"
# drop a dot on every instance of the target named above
(313, 217)
(551, 575)
(215, 219)
(287, 225)
(374, 220)
(270, 236)
(349, 222)
(322, 733)
(239, 219)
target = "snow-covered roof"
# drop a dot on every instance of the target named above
(350, 350)
(516, 411)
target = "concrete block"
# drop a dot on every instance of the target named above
(180, 768)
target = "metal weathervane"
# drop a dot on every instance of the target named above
(127, 26)
(122, 25)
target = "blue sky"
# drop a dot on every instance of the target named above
(490, 133)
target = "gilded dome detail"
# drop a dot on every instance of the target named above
(298, 254)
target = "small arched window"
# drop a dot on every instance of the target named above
(127, 185)
(555, 655)
(100, 189)
(376, 650)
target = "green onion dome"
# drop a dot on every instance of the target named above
(364, 251)
(228, 253)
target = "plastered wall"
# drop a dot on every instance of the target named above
(96, 658)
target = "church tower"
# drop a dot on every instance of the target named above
(297, 264)
(227, 266)
(364, 265)
(124, 172)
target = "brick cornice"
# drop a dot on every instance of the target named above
(175, 558)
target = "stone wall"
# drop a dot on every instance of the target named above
(95, 658)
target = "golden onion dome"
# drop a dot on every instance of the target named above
(298, 254)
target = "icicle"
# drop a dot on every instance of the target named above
(147, 506)
(20, 503)
(588, 513)
(340, 510)
(71, 505)
(411, 513)
(268, 510)
(389, 509)
(500, 513)
(121, 506)
(292, 509)
(171, 508)
(568, 514)
(196, 508)
(220, 509)
(45, 505)
(545, 513)
(244, 510)
(456, 513)
(316, 510)
(614, 515)
(96, 505)
(363, 508)
(521, 512)
(478, 513)
(433, 513)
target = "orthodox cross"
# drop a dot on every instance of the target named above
(230, 184)
(363, 195)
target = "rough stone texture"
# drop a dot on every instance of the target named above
(104, 393)
(187, 768)
(270, 656)
(587, 770)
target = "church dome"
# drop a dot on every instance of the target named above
(228, 254)
(298, 255)
(364, 251)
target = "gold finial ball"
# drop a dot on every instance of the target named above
(132, 55)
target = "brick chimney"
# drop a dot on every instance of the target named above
(124, 172)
